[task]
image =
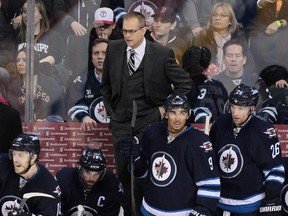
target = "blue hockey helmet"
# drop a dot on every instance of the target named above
(244, 95)
(26, 142)
(175, 101)
(93, 160)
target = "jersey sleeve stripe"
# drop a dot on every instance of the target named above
(209, 193)
(275, 169)
(209, 182)
(275, 179)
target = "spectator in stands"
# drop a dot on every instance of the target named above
(196, 13)
(10, 123)
(147, 8)
(76, 20)
(10, 22)
(271, 17)
(89, 109)
(152, 68)
(276, 79)
(8, 34)
(48, 95)
(13, 11)
(268, 33)
(162, 31)
(222, 26)
(98, 191)
(211, 94)
(77, 16)
(104, 27)
(47, 42)
(234, 57)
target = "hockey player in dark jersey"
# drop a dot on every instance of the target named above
(90, 188)
(211, 94)
(90, 108)
(26, 175)
(178, 163)
(249, 158)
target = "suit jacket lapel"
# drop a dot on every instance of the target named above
(119, 61)
(149, 60)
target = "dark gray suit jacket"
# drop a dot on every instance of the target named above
(160, 71)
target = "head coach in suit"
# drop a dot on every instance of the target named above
(148, 77)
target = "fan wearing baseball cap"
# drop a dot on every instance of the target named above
(163, 31)
(104, 27)
(103, 23)
(166, 13)
(103, 16)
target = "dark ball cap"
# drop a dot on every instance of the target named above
(165, 12)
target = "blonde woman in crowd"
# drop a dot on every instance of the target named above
(222, 27)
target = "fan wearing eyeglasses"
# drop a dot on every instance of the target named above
(139, 70)
(222, 27)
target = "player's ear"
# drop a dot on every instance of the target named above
(33, 156)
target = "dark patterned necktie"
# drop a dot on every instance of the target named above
(131, 62)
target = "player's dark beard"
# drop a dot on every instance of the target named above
(89, 185)
(86, 188)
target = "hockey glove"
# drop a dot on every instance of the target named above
(130, 147)
(270, 207)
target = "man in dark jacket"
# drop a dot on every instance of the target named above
(146, 78)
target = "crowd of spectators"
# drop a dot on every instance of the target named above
(64, 32)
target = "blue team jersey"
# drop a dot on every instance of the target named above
(104, 199)
(181, 175)
(249, 162)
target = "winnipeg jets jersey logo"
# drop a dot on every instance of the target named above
(8, 203)
(271, 132)
(207, 146)
(98, 112)
(230, 161)
(163, 169)
(146, 7)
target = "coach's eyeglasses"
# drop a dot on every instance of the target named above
(131, 31)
